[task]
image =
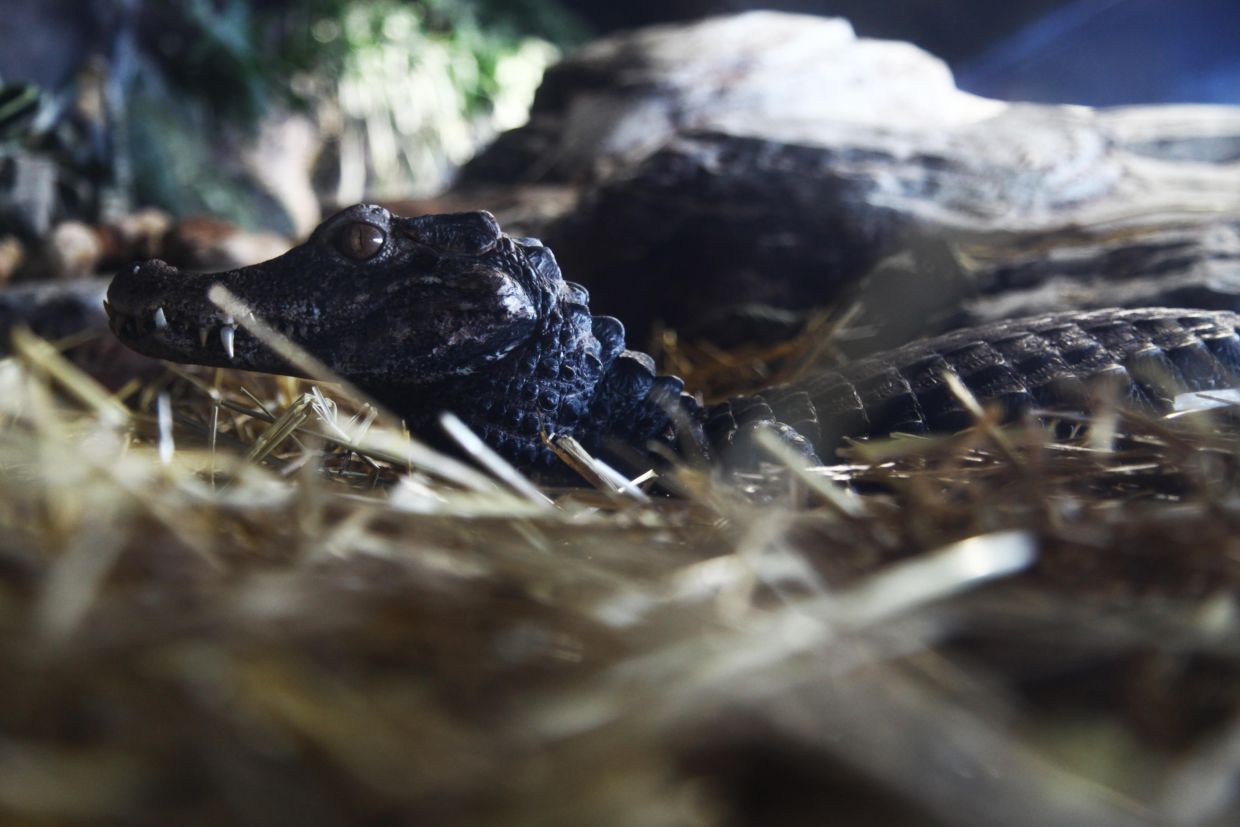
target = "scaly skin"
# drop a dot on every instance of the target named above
(1141, 357)
(446, 312)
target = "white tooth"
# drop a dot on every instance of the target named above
(161, 321)
(202, 336)
(107, 307)
(137, 267)
(226, 336)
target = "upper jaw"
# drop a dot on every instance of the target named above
(170, 334)
(143, 315)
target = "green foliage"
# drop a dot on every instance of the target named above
(405, 88)
(177, 164)
(19, 103)
(237, 55)
(419, 85)
(211, 51)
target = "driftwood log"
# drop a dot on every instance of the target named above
(719, 171)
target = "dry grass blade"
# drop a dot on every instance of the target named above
(167, 446)
(592, 469)
(281, 429)
(988, 424)
(935, 576)
(838, 498)
(40, 355)
(1187, 403)
(955, 632)
(286, 348)
(492, 461)
(76, 580)
(381, 445)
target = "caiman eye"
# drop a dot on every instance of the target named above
(360, 241)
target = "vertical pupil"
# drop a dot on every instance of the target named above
(363, 240)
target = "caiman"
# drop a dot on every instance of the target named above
(447, 313)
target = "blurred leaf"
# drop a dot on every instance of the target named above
(407, 88)
(19, 103)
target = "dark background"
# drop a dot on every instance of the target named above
(161, 102)
(1095, 52)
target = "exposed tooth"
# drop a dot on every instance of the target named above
(226, 336)
(161, 321)
(136, 268)
(202, 336)
(107, 307)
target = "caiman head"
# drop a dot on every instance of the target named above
(440, 312)
(379, 299)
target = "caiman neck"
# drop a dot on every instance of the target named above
(573, 377)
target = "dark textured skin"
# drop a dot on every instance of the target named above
(1142, 358)
(451, 314)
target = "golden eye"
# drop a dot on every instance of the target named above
(360, 241)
